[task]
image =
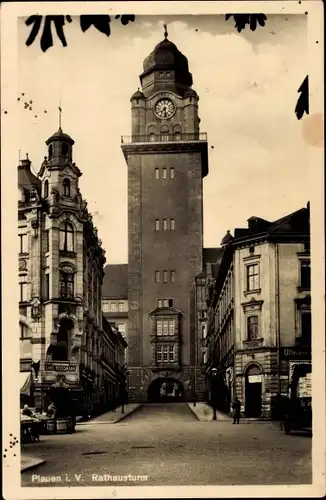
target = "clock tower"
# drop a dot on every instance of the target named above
(167, 160)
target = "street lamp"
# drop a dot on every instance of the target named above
(213, 390)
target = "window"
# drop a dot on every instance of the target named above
(159, 328)
(23, 243)
(66, 187)
(66, 285)
(166, 303)
(47, 240)
(171, 353)
(157, 170)
(159, 353)
(157, 225)
(66, 237)
(23, 289)
(171, 327)
(64, 149)
(164, 173)
(252, 277)
(165, 353)
(165, 276)
(47, 287)
(122, 329)
(172, 224)
(46, 189)
(305, 274)
(159, 303)
(305, 327)
(165, 224)
(157, 276)
(105, 306)
(172, 173)
(50, 150)
(172, 276)
(252, 326)
(24, 332)
(113, 307)
(121, 306)
(165, 327)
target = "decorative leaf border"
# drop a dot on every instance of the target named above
(100, 22)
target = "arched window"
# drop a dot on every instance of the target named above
(46, 189)
(66, 237)
(66, 285)
(50, 150)
(66, 187)
(64, 149)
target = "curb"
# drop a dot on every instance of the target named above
(193, 412)
(124, 415)
(33, 465)
(118, 419)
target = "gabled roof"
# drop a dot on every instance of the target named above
(115, 281)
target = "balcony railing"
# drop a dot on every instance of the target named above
(199, 136)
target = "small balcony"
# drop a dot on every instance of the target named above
(132, 139)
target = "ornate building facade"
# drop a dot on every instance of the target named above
(60, 278)
(259, 311)
(167, 160)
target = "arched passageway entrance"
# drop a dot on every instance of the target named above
(253, 391)
(165, 389)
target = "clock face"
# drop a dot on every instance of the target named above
(164, 108)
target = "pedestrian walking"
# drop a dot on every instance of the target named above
(236, 406)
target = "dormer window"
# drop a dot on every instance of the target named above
(66, 187)
(46, 189)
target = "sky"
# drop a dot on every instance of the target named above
(247, 83)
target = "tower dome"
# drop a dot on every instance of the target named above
(167, 57)
(60, 147)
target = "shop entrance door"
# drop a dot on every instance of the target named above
(253, 392)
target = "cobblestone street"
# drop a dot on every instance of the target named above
(168, 444)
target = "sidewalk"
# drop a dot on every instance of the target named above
(112, 417)
(27, 462)
(204, 413)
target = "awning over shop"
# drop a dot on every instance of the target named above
(25, 383)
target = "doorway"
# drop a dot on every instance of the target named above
(164, 390)
(253, 392)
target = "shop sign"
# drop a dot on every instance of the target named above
(254, 379)
(295, 352)
(60, 367)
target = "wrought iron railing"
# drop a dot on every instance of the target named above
(130, 139)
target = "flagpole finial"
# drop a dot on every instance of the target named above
(165, 31)
(60, 112)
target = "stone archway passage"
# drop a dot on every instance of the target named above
(165, 389)
(253, 392)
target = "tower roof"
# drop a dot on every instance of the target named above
(60, 136)
(167, 56)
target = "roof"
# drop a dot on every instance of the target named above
(115, 281)
(211, 255)
(59, 135)
(26, 179)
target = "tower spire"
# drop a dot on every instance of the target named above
(165, 31)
